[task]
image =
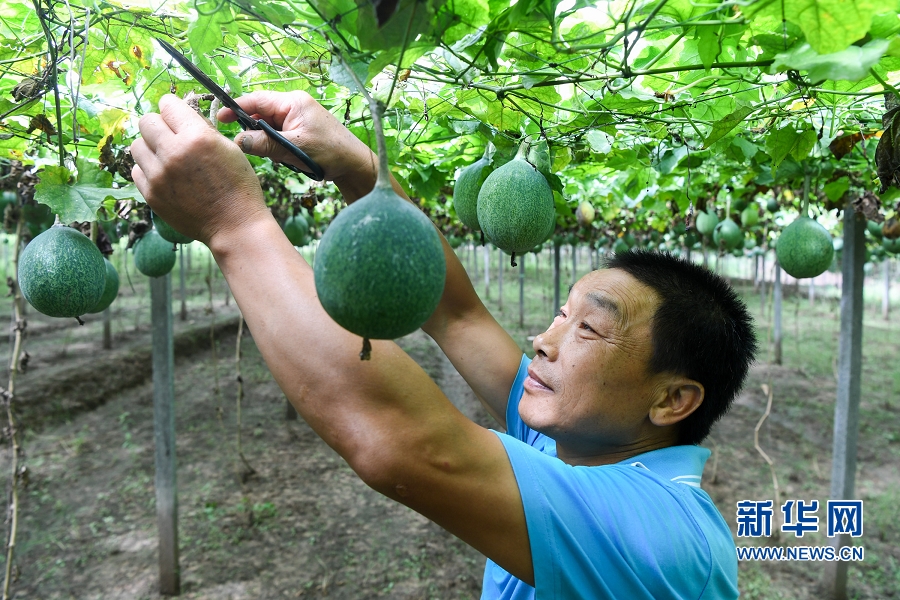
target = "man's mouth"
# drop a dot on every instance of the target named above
(535, 382)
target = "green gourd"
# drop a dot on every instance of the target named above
(110, 291)
(168, 233)
(465, 192)
(61, 273)
(515, 206)
(804, 248)
(153, 255)
(379, 269)
(296, 228)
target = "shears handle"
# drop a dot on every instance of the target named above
(315, 171)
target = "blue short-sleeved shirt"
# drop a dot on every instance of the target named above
(638, 529)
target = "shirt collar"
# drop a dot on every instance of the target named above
(681, 464)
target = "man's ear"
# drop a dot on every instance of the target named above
(683, 396)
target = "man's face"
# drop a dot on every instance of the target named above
(588, 386)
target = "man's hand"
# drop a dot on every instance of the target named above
(311, 128)
(197, 180)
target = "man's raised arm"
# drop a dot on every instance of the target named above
(385, 417)
(482, 351)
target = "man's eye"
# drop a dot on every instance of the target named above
(560, 313)
(586, 326)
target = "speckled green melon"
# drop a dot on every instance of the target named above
(515, 207)
(296, 228)
(153, 255)
(465, 193)
(750, 216)
(110, 291)
(379, 269)
(169, 233)
(706, 222)
(804, 249)
(61, 273)
(728, 235)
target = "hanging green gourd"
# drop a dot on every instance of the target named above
(465, 191)
(380, 268)
(515, 206)
(804, 248)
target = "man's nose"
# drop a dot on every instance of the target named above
(547, 343)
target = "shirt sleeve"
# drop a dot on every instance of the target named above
(615, 531)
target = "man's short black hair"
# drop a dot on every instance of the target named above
(701, 329)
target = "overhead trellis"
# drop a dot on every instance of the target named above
(667, 99)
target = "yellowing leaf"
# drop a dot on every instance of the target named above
(802, 104)
(112, 121)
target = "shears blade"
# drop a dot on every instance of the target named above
(245, 120)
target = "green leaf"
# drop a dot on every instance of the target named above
(414, 52)
(340, 75)
(277, 13)
(411, 19)
(600, 142)
(708, 45)
(427, 181)
(79, 201)
(681, 10)
(894, 48)
(539, 156)
(723, 127)
(851, 64)
(670, 159)
(623, 160)
(832, 25)
(205, 34)
(780, 143)
(459, 18)
(556, 183)
(712, 109)
(561, 157)
(235, 87)
(749, 149)
(806, 141)
(836, 189)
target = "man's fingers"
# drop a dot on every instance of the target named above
(153, 129)
(145, 161)
(258, 143)
(177, 115)
(262, 105)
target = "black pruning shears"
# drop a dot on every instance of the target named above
(245, 120)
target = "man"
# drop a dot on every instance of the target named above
(594, 491)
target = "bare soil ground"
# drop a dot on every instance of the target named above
(304, 526)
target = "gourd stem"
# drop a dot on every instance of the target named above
(384, 174)
(377, 109)
(523, 150)
(804, 203)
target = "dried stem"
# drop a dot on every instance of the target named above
(248, 470)
(767, 389)
(212, 343)
(13, 509)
